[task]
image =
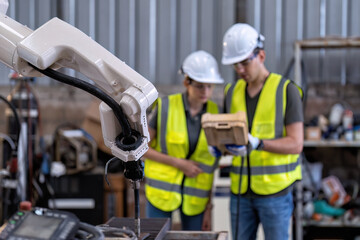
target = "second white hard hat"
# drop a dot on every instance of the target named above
(239, 41)
(202, 67)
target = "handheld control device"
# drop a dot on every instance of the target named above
(41, 223)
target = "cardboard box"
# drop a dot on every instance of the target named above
(313, 133)
(227, 128)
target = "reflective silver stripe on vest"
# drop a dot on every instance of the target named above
(209, 169)
(236, 170)
(163, 185)
(196, 192)
(263, 170)
(164, 117)
(177, 188)
(228, 97)
(279, 117)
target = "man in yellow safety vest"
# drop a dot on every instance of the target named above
(263, 172)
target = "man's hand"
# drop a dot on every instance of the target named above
(242, 150)
(214, 151)
(236, 150)
(253, 141)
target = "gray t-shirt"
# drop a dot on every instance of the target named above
(193, 123)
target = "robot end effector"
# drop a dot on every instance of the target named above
(57, 44)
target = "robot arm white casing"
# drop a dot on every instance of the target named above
(57, 44)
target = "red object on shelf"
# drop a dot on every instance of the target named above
(25, 206)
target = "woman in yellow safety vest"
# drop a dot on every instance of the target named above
(178, 167)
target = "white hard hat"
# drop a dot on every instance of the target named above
(202, 67)
(240, 40)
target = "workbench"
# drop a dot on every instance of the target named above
(159, 229)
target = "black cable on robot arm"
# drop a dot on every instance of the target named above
(16, 116)
(93, 90)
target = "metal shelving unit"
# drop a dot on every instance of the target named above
(300, 46)
(319, 43)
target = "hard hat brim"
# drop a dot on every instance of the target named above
(211, 81)
(231, 61)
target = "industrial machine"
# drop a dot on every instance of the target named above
(125, 94)
(47, 224)
(53, 224)
(25, 102)
(76, 149)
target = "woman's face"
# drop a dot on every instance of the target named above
(199, 92)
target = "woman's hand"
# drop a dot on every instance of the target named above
(189, 168)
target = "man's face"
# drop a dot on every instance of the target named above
(248, 68)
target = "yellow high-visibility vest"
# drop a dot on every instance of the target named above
(269, 172)
(164, 183)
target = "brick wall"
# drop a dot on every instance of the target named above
(62, 104)
(321, 97)
(58, 105)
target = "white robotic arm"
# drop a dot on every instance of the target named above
(125, 94)
(57, 44)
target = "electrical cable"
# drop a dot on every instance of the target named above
(120, 232)
(106, 171)
(238, 196)
(89, 232)
(129, 139)
(9, 140)
(17, 120)
(97, 92)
